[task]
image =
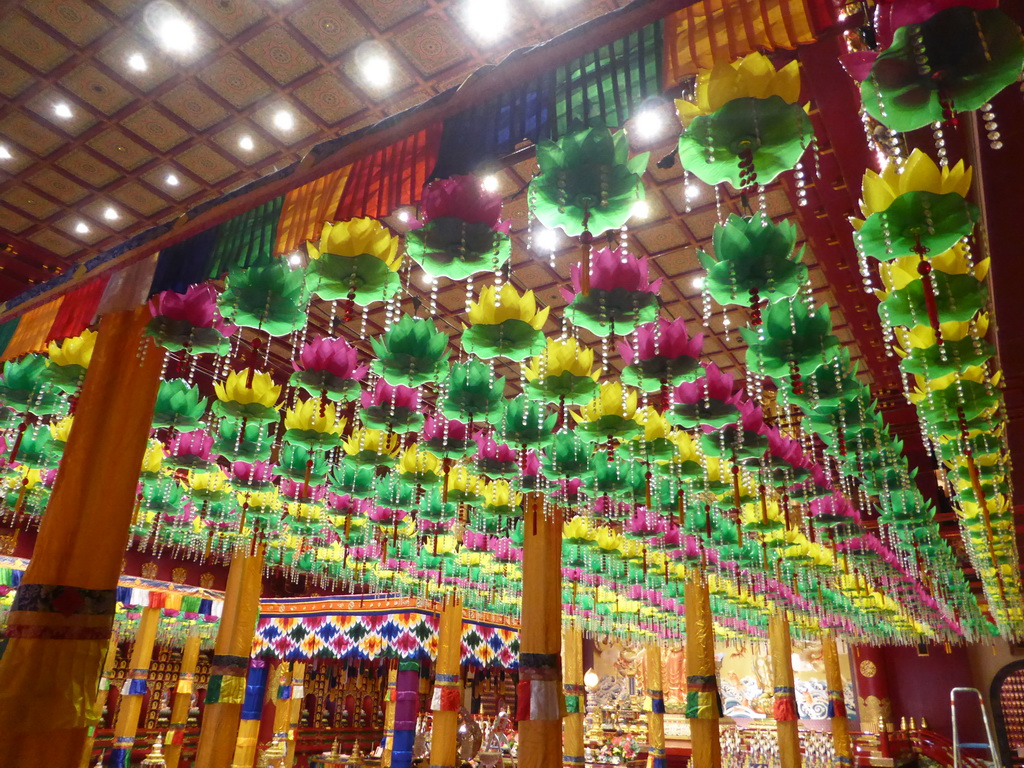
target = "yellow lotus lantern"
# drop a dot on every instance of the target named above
(314, 423)
(357, 260)
(74, 351)
(612, 413)
(505, 323)
(754, 76)
(500, 499)
(419, 466)
(61, 430)
(247, 394)
(153, 458)
(563, 372)
(918, 174)
(372, 446)
(461, 485)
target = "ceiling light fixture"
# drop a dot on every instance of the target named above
(648, 124)
(5, 153)
(404, 215)
(545, 240)
(82, 228)
(111, 214)
(641, 210)
(692, 191)
(698, 282)
(486, 19)
(245, 142)
(295, 259)
(138, 62)
(490, 183)
(284, 120)
(375, 65)
(172, 180)
(172, 29)
(62, 110)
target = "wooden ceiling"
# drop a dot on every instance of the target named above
(185, 114)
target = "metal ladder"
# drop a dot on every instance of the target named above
(992, 746)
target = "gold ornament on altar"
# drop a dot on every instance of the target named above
(273, 756)
(155, 758)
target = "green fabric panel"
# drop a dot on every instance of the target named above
(190, 604)
(7, 332)
(246, 240)
(607, 85)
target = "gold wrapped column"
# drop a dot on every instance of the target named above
(247, 741)
(101, 698)
(390, 700)
(226, 688)
(175, 736)
(447, 697)
(656, 715)
(572, 725)
(836, 701)
(135, 687)
(59, 624)
(539, 694)
(288, 711)
(702, 700)
(787, 722)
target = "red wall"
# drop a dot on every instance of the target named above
(920, 685)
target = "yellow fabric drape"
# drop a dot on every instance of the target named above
(656, 717)
(572, 725)
(101, 697)
(295, 710)
(50, 671)
(33, 330)
(712, 32)
(781, 648)
(182, 701)
(245, 744)
(234, 641)
(444, 734)
(307, 208)
(127, 723)
(540, 630)
(834, 681)
(700, 661)
(390, 700)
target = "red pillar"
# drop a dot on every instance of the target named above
(872, 685)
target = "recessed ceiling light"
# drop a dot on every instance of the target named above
(172, 180)
(490, 183)
(698, 283)
(295, 259)
(62, 110)
(284, 120)
(404, 215)
(111, 214)
(375, 64)
(173, 30)
(545, 240)
(641, 209)
(82, 228)
(486, 19)
(138, 62)
(246, 143)
(692, 191)
(5, 153)
(427, 279)
(648, 124)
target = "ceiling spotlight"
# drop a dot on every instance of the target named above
(246, 143)
(641, 210)
(404, 215)
(698, 283)
(5, 153)
(486, 19)
(648, 124)
(284, 120)
(62, 110)
(172, 180)
(375, 64)
(427, 279)
(490, 183)
(692, 191)
(137, 62)
(82, 228)
(172, 29)
(545, 240)
(111, 214)
(295, 259)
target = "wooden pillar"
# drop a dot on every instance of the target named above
(540, 638)
(787, 720)
(252, 711)
(572, 725)
(702, 700)
(656, 715)
(225, 691)
(101, 697)
(390, 699)
(60, 622)
(135, 686)
(872, 683)
(836, 700)
(447, 697)
(175, 736)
